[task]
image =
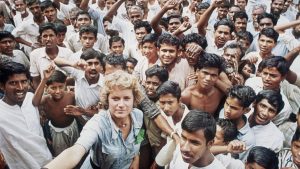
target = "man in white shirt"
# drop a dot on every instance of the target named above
(198, 132)
(41, 58)
(21, 136)
(267, 105)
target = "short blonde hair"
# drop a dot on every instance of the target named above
(122, 80)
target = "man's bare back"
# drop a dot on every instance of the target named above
(55, 109)
(208, 102)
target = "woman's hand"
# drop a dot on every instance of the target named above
(135, 162)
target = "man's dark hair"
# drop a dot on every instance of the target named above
(31, 2)
(274, 98)
(267, 15)
(210, 60)
(225, 4)
(83, 13)
(6, 34)
(276, 61)
(88, 29)
(46, 26)
(245, 94)
(132, 60)
(115, 60)
(264, 157)
(10, 68)
(296, 136)
(57, 76)
(229, 129)
(241, 15)
(224, 22)
(47, 4)
(158, 71)
(60, 28)
(150, 38)
(142, 24)
(245, 35)
(196, 38)
(174, 16)
(93, 54)
(270, 33)
(169, 40)
(116, 39)
(169, 87)
(198, 120)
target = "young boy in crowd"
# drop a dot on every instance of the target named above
(267, 105)
(267, 40)
(130, 64)
(155, 76)
(169, 94)
(61, 34)
(237, 104)
(226, 134)
(117, 45)
(63, 128)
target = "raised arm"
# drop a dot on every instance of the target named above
(290, 57)
(38, 95)
(68, 159)
(203, 20)
(84, 5)
(281, 28)
(155, 21)
(113, 10)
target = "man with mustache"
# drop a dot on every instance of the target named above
(22, 140)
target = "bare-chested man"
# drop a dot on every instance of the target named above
(63, 127)
(204, 95)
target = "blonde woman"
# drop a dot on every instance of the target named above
(113, 136)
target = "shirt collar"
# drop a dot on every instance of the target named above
(246, 127)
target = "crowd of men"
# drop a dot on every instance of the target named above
(221, 79)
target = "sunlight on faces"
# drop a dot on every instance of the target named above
(219, 138)
(15, 89)
(149, 50)
(151, 84)
(140, 33)
(56, 90)
(264, 112)
(193, 146)
(295, 148)
(49, 38)
(232, 109)
(222, 35)
(7, 45)
(87, 40)
(83, 20)
(167, 54)
(117, 48)
(207, 77)
(266, 44)
(169, 104)
(50, 14)
(120, 102)
(271, 78)
(92, 69)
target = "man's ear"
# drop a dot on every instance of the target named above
(246, 110)
(210, 143)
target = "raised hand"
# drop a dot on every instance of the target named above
(74, 110)
(81, 64)
(236, 146)
(48, 72)
(170, 4)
